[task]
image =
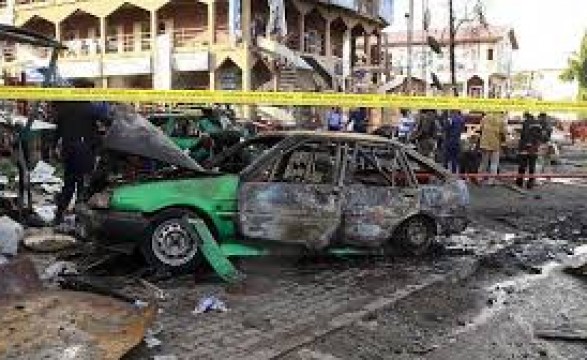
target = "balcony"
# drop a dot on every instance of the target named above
(190, 38)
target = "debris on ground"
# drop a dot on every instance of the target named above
(44, 173)
(57, 324)
(164, 357)
(47, 240)
(45, 212)
(577, 270)
(159, 293)
(11, 233)
(60, 268)
(210, 303)
(562, 333)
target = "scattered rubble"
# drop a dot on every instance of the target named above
(11, 234)
(58, 324)
(210, 303)
(47, 240)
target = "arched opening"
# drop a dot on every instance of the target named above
(122, 35)
(229, 76)
(337, 30)
(315, 28)
(260, 75)
(292, 16)
(260, 18)
(475, 87)
(21, 51)
(80, 32)
(221, 28)
(358, 53)
(189, 21)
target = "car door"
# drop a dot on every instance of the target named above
(379, 193)
(294, 197)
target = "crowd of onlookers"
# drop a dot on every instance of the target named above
(439, 135)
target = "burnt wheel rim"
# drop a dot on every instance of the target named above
(417, 233)
(172, 244)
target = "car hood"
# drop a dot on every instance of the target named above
(131, 133)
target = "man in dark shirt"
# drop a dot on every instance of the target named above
(77, 140)
(532, 136)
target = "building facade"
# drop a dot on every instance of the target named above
(483, 56)
(205, 44)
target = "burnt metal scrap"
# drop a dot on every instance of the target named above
(58, 324)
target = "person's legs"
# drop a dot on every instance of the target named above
(531, 170)
(523, 163)
(484, 162)
(494, 167)
(69, 185)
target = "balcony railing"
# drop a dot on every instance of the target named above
(128, 43)
(82, 47)
(188, 37)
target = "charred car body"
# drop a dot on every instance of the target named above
(306, 190)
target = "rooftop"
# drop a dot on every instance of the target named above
(471, 34)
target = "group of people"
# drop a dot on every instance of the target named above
(357, 120)
(438, 135)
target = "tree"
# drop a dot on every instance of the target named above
(577, 69)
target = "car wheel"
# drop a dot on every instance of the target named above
(416, 235)
(168, 245)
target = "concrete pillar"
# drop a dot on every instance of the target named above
(328, 39)
(212, 22)
(368, 49)
(58, 31)
(212, 77)
(346, 56)
(153, 29)
(103, 51)
(246, 22)
(301, 27)
(137, 36)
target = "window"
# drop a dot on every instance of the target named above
(376, 165)
(490, 54)
(311, 163)
(244, 154)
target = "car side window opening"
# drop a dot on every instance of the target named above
(376, 166)
(423, 174)
(311, 163)
(243, 155)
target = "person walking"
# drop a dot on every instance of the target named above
(453, 129)
(493, 135)
(425, 133)
(406, 125)
(531, 138)
(334, 119)
(77, 140)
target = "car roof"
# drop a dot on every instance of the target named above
(330, 135)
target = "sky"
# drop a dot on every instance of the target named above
(548, 31)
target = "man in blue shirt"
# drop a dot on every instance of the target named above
(334, 119)
(406, 125)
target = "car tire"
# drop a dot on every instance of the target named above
(167, 244)
(416, 235)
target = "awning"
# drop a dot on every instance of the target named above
(276, 48)
(320, 69)
(395, 82)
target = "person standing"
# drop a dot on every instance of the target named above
(493, 135)
(531, 138)
(406, 125)
(358, 120)
(334, 119)
(453, 129)
(425, 133)
(77, 140)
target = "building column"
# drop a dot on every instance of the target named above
(103, 51)
(301, 27)
(58, 31)
(212, 22)
(367, 49)
(153, 29)
(212, 73)
(247, 61)
(347, 57)
(328, 41)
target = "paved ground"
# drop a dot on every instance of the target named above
(479, 295)
(444, 306)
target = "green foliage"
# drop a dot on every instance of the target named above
(577, 66)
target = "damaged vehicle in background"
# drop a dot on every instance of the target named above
(307, 191)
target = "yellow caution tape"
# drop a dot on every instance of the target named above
(287, 98)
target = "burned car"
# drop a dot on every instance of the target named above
(313, 191)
